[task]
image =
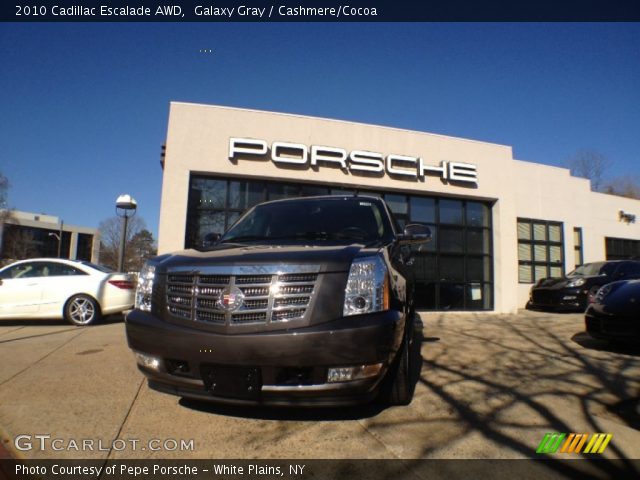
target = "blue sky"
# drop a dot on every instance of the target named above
(84, 106)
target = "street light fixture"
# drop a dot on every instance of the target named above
(126, 208)
(59, 239)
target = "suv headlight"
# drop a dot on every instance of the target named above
(145, 287)
(367, 287)
(578, 282)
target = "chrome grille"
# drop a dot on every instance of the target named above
(270, 294)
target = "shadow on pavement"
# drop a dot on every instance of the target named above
(285, 413)
(517, 374)
(51, 322)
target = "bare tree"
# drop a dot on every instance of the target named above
(110, 231)
(627, 186)
(591, 165)
(19, 244)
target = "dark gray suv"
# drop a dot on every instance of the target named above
(305, 301)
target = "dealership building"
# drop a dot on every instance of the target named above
(498, 224)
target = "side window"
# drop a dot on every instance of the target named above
(62, 270)
(608, 269)
(628, 270)
(24, 270)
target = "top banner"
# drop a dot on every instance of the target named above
(318, 11)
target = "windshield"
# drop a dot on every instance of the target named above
(349, 219)
(587, 270)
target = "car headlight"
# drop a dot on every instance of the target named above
(578, 282)
(603, 292)
(145, 287)
(367, 287)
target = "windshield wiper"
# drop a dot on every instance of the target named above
(244, 238)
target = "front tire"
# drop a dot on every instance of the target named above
(81, 310)
(398, 389)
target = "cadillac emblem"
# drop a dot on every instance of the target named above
(230, 299)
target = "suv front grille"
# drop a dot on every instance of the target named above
(273, 297)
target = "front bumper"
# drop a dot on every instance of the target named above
(287, 367)
(569, 299)
(607, 326)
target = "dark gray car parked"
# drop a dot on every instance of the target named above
(303, 301)
(578, 289)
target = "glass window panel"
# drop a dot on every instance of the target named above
(477, 214)
(475, 269)
(451, 239)
(524, 231)
(524, 252)
(232, 217)
(397, 203)
(311, 191)
(577, 237)
(555, 233)
(342, 191)
(243, 195)
(556, 272)
(539, 272)
(427, 267)
(540, 253)
(475, 296)
(425, 296)
(451, 296)
(433, 244)
(423, 210)
(209, 222)
(539, 231)
(525, 274)
(487, 299)
(451, 211)
(209, 193)
(477, 241)
(577, 257)
(277, 191)
(369, 193)
(555, 254)
(487, 268)
(451, 268)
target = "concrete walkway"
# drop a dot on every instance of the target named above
(490, 386)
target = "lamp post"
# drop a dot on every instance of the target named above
(125, 208)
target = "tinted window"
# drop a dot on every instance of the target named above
(608, 269)
(628, 269)
(24, 270)
(357, 218)
(60, 270)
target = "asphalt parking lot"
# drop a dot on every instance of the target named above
(490, 386)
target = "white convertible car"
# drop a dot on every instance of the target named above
(80, 292)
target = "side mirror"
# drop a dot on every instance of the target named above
(415, 233)
(210, 239)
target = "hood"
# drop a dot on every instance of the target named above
(561, 281)
(331, 258)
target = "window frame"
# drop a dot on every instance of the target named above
(531, 242)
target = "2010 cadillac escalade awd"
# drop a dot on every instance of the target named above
(305, 301)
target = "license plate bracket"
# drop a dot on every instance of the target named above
(232, 381)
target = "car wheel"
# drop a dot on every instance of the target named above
(81, 310)
(398, 388)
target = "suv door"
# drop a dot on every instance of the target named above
(20, 290)
(627, 271)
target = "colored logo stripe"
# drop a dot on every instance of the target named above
(598, 443)
(574, 443)
(550, 443)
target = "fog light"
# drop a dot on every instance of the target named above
(345, 374)
(147, 361)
